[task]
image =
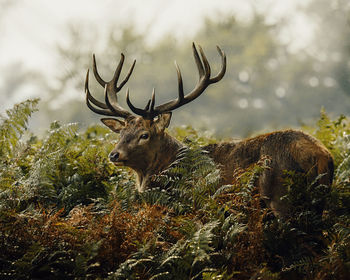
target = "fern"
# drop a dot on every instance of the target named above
(186, 185)
(333, 134)
(64, 169)
(66, 212)
(184, 260)
(14, 125)
(189, 181)
(13, 151)
(232, 227)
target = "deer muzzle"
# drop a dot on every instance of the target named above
(114, 156)
(117, 158)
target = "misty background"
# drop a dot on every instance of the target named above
(286, 60)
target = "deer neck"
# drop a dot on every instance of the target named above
(164, 155)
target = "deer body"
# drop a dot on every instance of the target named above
(145, 147)
(285, 150)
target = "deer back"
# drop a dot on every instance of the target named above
(286, 150)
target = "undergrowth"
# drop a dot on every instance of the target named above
(67, 213)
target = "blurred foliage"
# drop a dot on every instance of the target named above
(268, 85)
(66, 212)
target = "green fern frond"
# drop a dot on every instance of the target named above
(13, 126)
(190, 179)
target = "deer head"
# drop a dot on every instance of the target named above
(143, 144)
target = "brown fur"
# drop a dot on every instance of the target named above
(146, 148)
(146, 156)
(287, 150)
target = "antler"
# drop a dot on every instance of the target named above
(204, 81)
(111, 106)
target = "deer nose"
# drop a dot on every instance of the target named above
(114, 156)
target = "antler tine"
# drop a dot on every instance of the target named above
(153, 100)
(114, 81)
(147, 106)
(149, 112)
(222, 72)
(98, 111)
(204, 70)
(127, 76)
(207, 70)
(90, 97)
(103, 109)
(197, 60)
(204, 80)
(136, 110)
(112, 102)
(111, 106)
(112, 89)
(96, 74)
(180, 83)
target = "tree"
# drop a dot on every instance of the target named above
(266, 86)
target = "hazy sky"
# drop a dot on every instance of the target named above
(31, 28)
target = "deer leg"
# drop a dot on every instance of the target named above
(265, 186)
(271, 190)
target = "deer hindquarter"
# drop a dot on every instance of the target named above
(286, 150)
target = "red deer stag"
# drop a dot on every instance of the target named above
(145, 147)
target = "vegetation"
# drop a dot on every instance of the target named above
(67, 213)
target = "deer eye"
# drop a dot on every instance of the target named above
(144, 136)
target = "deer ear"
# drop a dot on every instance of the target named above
(163, 121)
(114, 124)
